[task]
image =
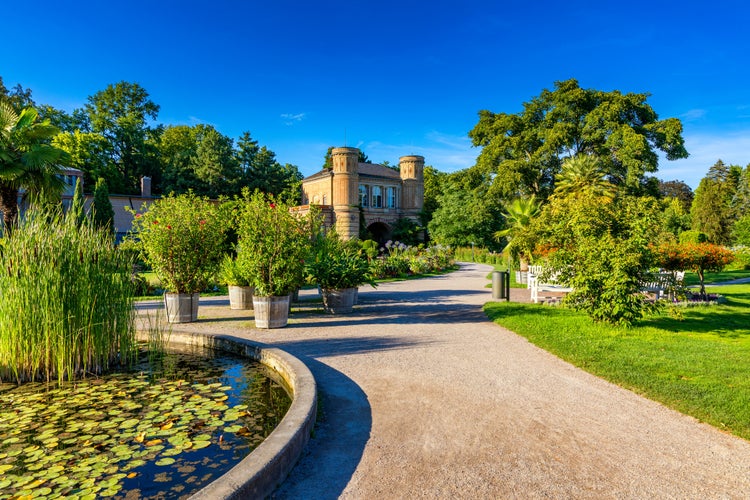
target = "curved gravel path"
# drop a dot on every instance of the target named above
(423, 397)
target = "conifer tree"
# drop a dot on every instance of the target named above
(102, 213)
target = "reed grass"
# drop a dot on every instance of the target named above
(66, 301)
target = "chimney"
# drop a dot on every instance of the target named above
(145, 187)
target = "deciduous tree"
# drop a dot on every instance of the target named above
(121, 114)
(525, 150)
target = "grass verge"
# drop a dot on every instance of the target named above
(698, 365)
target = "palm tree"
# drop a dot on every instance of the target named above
(27, 160)
(518, 216)
(584, 175)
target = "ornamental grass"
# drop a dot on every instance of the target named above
(66, 301)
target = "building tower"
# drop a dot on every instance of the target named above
(412, 177)
(345, 196)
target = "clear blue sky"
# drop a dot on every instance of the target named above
(391, 77)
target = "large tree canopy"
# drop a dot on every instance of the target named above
(121, 114)
(525, 150)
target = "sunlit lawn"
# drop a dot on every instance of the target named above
(699, 365)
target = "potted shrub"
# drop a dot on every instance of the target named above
(182, 238)
(339, 268)
(238, 284)
(272, 246)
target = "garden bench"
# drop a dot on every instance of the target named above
(662, 283)
(658, 284)
(535, 286)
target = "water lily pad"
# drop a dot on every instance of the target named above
(198, 445)
(165, 461)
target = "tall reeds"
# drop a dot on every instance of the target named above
(66, 301)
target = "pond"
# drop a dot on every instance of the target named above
(176, 423)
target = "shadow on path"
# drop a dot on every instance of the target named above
(344, 418)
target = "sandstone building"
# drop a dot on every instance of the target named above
(384, 195)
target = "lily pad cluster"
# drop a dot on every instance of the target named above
(129, 433)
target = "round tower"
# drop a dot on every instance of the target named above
(345, 196)
(412, 177)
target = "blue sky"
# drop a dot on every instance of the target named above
(391, 77)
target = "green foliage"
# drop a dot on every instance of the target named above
(399, 260)
(584, 174)
(406, 231)
(231, 273)
(602, 251)
(77, 208)
(693, 236)
(741, 258)
(335, 264)
(261, 171)
(89, 152)
(27, 160)
(120, 114)
(102, 213)
(434, 183)
(711, 211)
(677, 190)
(273, 244)
(182, 238)
(479, 254)
(519, 215)
(67, 306)
(525, 150)
(741, 230)
(676, 217)
(369, 248)
(465, 216)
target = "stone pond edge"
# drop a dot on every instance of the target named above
(258, 474)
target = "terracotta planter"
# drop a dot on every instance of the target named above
(181, 307)
(339, 301)
(271, 312)
(240, 297)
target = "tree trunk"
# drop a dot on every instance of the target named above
(9, 206)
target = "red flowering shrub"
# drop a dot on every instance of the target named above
(697, 257)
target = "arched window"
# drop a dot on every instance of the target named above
(377, 197)
(391, 197)
(363, 201)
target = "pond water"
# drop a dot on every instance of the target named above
(174, 424)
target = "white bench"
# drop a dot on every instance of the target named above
(535, 286)
(658, 283)
(662, 283)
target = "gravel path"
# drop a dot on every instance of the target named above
(423, 397)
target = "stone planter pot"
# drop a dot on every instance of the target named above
(181, 307)
(240, 297)
(271, 312)
(339, 301)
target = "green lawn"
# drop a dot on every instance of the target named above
(699, 365)
(692, 278)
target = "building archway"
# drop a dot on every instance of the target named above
(380, 231)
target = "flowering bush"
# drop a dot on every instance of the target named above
(698, 257)
(182, 238)
(399, 259)
(273, 244)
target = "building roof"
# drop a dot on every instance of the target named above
(318, 175)
(375, 170)
(366, 169)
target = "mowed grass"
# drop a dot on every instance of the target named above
(699, 365)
